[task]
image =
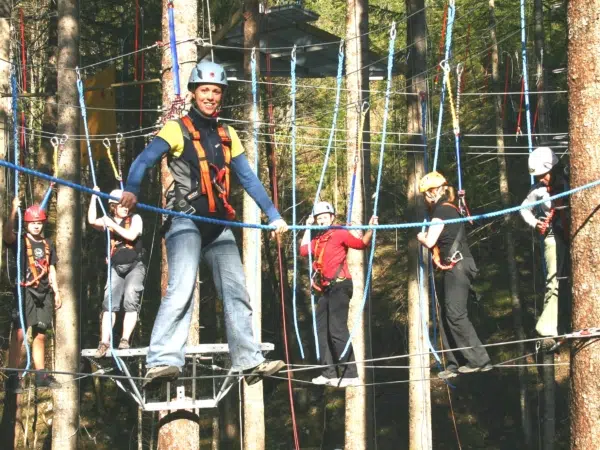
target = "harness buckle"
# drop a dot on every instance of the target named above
(184, 207)
(455, 258)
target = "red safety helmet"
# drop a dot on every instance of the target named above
(35, 213)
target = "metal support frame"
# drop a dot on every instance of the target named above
(180, 401)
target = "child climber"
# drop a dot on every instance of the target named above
(333, 282)
(39, 293)
(127, 268)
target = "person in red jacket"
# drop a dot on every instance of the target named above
(333, 282)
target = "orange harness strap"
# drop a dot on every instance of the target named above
(221, 179)
(34, 264)
(115, 242)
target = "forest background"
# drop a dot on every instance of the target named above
(481, 411)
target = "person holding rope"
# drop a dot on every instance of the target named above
(128, 270)
(550, 220)
(202, 154)
(39, 293)
(451, 255)
(333, 283)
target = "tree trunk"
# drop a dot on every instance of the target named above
(68, 233)
(254, 420)
(358, 420)
(179, 429)
(5, 110)
(419, 393)
(584, 134)
(513, 273)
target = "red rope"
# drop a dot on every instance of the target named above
(279, 251)
(521, 106)
(441, 47)
(506, 80)
(537, 110)
(24, 77)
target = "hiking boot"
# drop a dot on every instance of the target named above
(14, 384)
(264, 369)
(160, 374)
(102, 349)
(345, 382)
(472, 369)
(448, 373)
(124, 344)
(323, 380)
(46, 381)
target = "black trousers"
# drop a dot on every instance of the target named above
(332, 330)
(456, 329)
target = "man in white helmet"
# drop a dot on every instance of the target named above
(128, 270)
(333, 283)
(201, 154)
(550, 220)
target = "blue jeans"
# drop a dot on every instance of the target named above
(170, 332)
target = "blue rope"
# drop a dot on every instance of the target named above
(93, 173)
(451, 14)
(378, 185)
(322, 178)
(294, 218)
(255, 140)
(424, 324)
(46, 199)
(13, 82)
(173, 46)
(226, 223)
(525, 81)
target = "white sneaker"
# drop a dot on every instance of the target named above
(345, 382)
(322, 380)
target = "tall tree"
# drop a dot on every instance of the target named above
(68, 232)
(584, 135)
(254, 420)
(357, 81)
(179, 430)
(419, 394)
(542, 107)
(513, 274)
(5, 108)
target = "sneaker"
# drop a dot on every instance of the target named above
(264, 369)
(322, 380)
(46, 381)
(345, 382)
(471, 369)
(14, 384)
(159, 374)
(448, 373)
(124, 344)
(102, 349)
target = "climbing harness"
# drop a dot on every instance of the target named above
(320, 282)
(455, 256)
(37, 266)
(115, 243)
(211, 177)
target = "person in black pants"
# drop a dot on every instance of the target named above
(451, 254)
(332, 280)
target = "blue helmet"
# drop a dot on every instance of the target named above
(207, 72)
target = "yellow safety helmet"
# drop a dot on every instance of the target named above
(430, 181)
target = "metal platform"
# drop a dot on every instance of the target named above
(190, 392)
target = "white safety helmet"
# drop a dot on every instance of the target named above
(322, 208)
(541, 161)
(209, 73)
(117, 193)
